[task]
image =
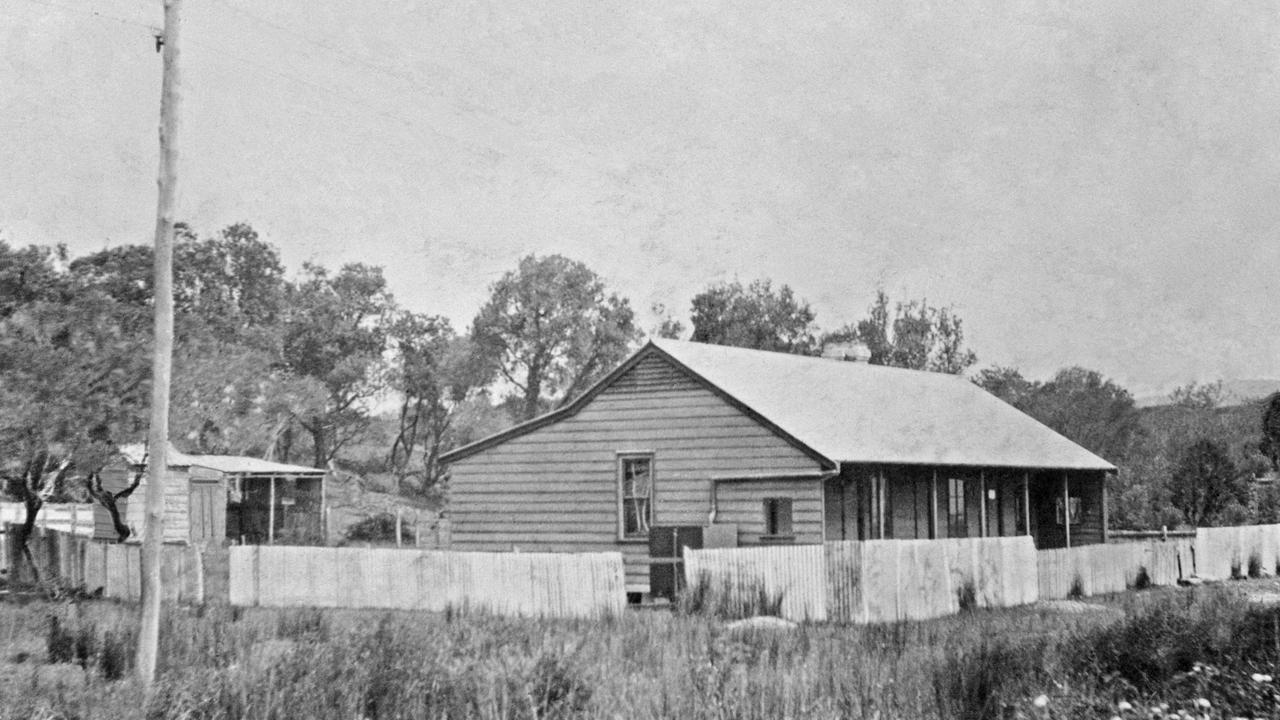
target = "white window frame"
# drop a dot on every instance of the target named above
(620, 469)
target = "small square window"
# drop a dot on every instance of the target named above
(777, 517)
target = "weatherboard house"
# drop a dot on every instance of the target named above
(770, 448)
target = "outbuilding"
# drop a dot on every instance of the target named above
(220, 498)
(768, 448)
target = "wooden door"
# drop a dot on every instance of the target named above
(208, 509)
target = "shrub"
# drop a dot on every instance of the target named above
(1255, 565)
(967, 596)
(109, 652)
(1143, 580)
(1077, 588)
(380, 528)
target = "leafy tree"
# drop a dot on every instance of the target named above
(754, 316)
(30, 274)
(73, 382)
(1270, 445)
(914, 335)
(1091, 410)
(335, 331)
(230, 286)
(1205, 482)
(1008, 384)
(668, 326)
(235, 399)
(1079, 403)
(551, 329)
(435, 372)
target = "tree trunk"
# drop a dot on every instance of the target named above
(320, 441)
(32, 504)
(532, 390)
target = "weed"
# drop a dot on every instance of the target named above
(1143, 580)
(1077, 588)
(967, 596)
(728, 601)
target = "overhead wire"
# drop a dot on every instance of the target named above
(153, 28)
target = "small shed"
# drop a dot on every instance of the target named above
(220, 498)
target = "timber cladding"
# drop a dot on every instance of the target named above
(556, 487)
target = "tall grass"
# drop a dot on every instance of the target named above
(229, 663)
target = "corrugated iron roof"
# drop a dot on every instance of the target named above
(233, 464)
(856, 412)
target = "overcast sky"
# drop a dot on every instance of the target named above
(1088, 183)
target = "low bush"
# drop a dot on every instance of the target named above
(380, 528)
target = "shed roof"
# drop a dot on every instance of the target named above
(856, 412)
(231, 464)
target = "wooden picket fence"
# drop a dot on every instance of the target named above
(871, 581)
(70, 517)
(1225, 552)
(518, 584)
(114, 569)
(1099, 569)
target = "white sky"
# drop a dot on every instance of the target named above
(1090, 183)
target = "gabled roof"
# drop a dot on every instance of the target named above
(855, 412)
(231, 464)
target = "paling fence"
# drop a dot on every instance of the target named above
(71, 517)
(1100, 569)
(871, 581)
(1224, 552)
(114, 569)
(522, 584)
(891, 580)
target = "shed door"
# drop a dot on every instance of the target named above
(208, 511)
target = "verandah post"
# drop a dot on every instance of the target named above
(1026, 501)
(982, 507)
(1066, 507)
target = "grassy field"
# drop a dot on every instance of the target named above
(1181, 648)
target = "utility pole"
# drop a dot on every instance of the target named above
(162, 360)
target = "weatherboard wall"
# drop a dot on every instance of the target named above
(555, 488)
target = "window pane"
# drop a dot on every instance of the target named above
(636, 477)
(957, 518)
(777, 516)
(635, 516)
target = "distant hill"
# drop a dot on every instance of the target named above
(1234, 392)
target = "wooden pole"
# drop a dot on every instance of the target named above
(933, 506)
(399, 525)
(1026, 501)
(982, 509)
(1106, 530)
(1066, 507)
(162, 359)
(271, 512)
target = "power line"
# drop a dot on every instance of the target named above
(362, 62)
(404, 77)
(152, 28)
(349, 100)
